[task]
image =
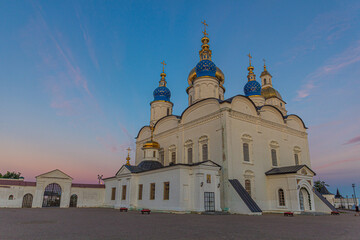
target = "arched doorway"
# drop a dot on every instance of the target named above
(52, 195)
(27, 200)
(73, 200)
(304, 200)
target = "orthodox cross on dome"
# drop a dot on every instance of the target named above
(250, 57)
(264, 64)
(162, 82)
(205, 25)
(128, 156)
(152, 132)
(164, 64)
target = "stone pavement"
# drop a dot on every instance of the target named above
(101, 223)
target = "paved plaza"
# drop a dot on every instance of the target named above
(99, 223)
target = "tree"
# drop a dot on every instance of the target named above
(11, 175)
(320, 185)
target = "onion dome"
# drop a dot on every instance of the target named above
(218, 74)
(252, 87)
(151, 144)
(162, 93)
(270, 92)
(205, 67)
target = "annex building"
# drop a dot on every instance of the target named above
(241, 154)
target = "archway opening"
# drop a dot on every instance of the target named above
(52, 195)
(304, 200)
(73, 200)
(27, 200)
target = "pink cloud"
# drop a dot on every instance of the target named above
(353, 140)
(334, 65)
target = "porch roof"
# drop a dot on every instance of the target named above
(287, 170)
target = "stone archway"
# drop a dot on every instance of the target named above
(27, 200)
(304, 199)
(52, 195)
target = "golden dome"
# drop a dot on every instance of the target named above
(219, 75)
(270, 92)
(151, 144)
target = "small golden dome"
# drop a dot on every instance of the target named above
(151, 144)
(270, 92)
(219, 75)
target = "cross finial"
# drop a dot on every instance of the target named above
(205, 25)
(250, 57)
(152, 132)
(163, 63)
(128, 156)
(264, 64)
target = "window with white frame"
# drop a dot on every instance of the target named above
(189, 151)
(162, 156)
(246, 152)
(274, 148)
(248, 186)
(246, 139)
(172, 154)
(281, 196)
(297, 151)
(249, 181)
(204, 149)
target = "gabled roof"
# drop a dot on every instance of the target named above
(55, 174)
(287, 170)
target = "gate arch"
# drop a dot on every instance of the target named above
(73, 200)
(27, 200)
(52, 195)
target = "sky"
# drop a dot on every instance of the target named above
(76, 77)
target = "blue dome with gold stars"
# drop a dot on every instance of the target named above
(252, 88)
(205, 68)
(162, 94)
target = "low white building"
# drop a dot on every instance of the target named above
(52, 189)
(180, 187)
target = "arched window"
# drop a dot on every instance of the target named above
(144, 153)
(162, 156)
(173, 157)
(190, 155)
(154, 154)
(274, 157)
(11, 197)
(264, 81)
(296, 157)
(281, 197)
(168, 111)
(246, 152)
(248, 186)
(205, 152)
(73, 200)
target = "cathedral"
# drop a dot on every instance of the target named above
(244, 154)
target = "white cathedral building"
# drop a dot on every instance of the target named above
(244, 154)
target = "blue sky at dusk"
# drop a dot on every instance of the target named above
(76, 77)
